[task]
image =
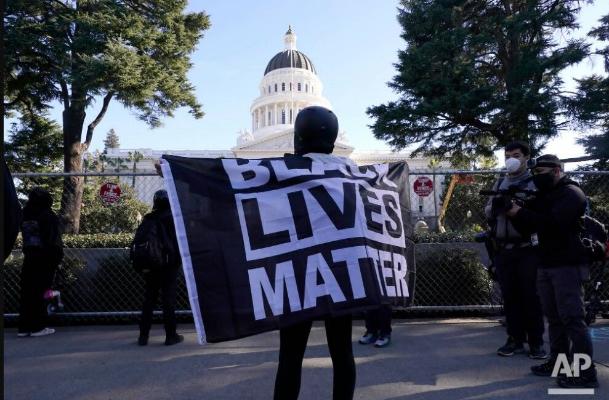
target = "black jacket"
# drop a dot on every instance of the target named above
(12, 211)
(555, 216)
(47, 229)
(165, 217)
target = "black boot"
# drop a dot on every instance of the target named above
(173, 339)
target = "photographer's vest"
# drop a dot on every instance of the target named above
(503, 230)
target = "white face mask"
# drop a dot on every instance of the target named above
(512, 165)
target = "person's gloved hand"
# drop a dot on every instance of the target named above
(500, 205)
(157, 166)
(599, 250)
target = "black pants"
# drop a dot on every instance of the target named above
(562, 297)
(166, 282)
(378, 321)
(36, 277)
(292, 345)
(517, 270)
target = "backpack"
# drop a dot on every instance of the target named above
(151, 249)
(594, 238)
(30, 232)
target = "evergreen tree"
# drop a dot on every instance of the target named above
(78, 52)
(590, 106)
(478, 74)
(111, 141)
(35, 144)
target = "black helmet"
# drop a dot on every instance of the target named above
(40, 198)
(547, 160)
(315, 130)
(160, 200)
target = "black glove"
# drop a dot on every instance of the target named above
(599, 250)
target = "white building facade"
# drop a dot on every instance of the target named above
(289, 84)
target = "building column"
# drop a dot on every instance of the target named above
(275, 111)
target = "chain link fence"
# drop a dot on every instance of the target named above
(98, 283)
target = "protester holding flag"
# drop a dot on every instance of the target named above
(277, 243)
(315, 131)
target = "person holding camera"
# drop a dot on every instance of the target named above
(554, 217)
(516, 259)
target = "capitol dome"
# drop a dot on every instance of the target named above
(289, 84)
(290, 58)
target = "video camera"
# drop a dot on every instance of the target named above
(505, 197)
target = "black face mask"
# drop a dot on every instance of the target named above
(544, 182)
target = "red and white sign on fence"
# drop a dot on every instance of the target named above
(110, 193)
(423, 186)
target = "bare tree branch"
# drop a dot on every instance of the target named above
(65, 95)
(97, 120)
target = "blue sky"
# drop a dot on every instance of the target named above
(353, 45)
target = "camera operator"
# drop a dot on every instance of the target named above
(516, 259)
(554, 216)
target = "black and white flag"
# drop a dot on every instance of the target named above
(273, 242)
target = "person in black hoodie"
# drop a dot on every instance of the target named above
(163, 279)
(315, 131)
(42, 253)
(554, 218)
(12, 211)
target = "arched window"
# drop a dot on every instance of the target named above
(283, 116)
(299, 86)
(291, 111)
(290, 86)
(270, 123)
(275, 87)
(283, 86)
(269, 89)
(307, 87)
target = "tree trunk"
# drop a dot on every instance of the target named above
(134, 169)
(71, 198)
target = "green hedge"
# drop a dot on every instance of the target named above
(451, 277)
(446, 237)
(93, 240)
(118, 240)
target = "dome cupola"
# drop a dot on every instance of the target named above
(290, 57)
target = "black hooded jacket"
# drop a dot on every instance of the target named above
(40, 230)
(162, 212)
(12, 211)
(555, 216)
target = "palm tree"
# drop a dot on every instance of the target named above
(136, 157)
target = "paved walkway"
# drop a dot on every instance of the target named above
(449, 359)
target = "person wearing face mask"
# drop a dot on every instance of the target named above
(555, 216)
(516, 262)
